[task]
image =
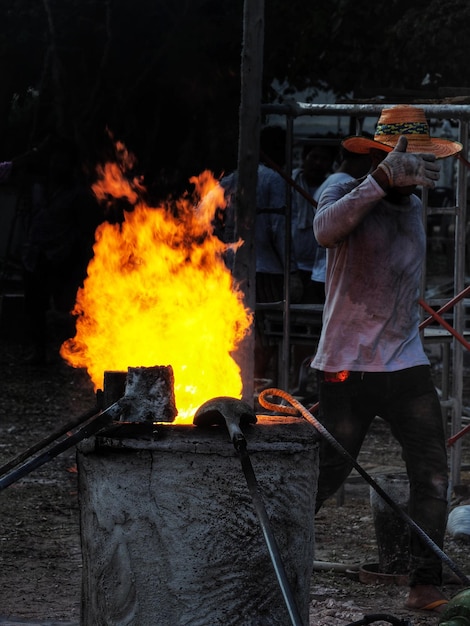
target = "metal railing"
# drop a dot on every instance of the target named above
(358, 111)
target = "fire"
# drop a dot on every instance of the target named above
(158, 292)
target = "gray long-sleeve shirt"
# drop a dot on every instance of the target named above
(374, 264)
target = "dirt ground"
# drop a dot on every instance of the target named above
(40, 557)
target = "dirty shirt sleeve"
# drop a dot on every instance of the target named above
(339, 214)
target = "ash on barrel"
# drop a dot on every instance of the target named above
(149, 395)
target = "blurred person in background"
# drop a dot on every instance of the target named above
(317, 163)
(58, 245)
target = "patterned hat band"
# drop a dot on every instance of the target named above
(402, 128)
(405, 120)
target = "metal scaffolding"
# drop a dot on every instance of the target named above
(452, 338)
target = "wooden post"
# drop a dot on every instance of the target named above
(248, 158)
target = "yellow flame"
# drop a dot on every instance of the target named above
(158, 292)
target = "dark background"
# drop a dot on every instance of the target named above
(164, 77)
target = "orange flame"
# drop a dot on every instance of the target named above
(158, 292)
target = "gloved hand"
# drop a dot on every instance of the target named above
(404, 169)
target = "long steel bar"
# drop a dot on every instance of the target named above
(298, 109)
(324, 432)
(435, 315)
(446, 307)
(271, 544)
(284, 367)
(459, 312)
(40, 445)
(91, 427)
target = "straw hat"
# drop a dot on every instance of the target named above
(403, 120)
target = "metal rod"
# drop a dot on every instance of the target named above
(284, 366)
(459, 313)
(20, 458)
(445, 324)
(273, 549)
(92, 426)
(233, 413)
(328, 566)
(381, 617)
(456, 437)
(289, 180)
(298, 407)
(299, 109)
(446, 307)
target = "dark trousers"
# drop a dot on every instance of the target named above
(269, 288)
(408, 401)
(313, 292)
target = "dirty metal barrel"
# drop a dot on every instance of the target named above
(169, 533)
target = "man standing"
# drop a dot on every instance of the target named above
(370, 358)
(270, 239)
(316, 165)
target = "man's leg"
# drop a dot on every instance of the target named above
(347, 418)
(416, 421)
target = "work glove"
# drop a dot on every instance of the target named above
(404, 169)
